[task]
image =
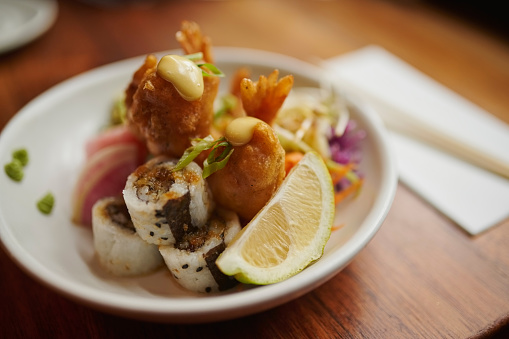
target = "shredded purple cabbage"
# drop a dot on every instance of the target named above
(346, 148)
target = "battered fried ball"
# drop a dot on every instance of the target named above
(252, 175)
(264, 98)
(165, 120)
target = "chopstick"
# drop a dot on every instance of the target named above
(400, 122)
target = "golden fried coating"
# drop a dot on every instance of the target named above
(264, 98)
(165, 120)
(252, 175)
(150, 63)
(157, 112)
(192, 40)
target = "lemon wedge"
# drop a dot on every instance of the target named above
(289, 233)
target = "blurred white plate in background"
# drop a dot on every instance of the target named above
(22, 21)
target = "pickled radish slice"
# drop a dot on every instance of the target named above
(111, 157)
(114, 136)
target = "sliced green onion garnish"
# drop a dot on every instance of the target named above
(21, 155)
(45, 205)
(198, 146)
(221, 142)
(215, 71)
(199, 56)
(195, 56)
(14, 170)
(213, 162)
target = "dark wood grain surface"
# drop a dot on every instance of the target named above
(420, 277)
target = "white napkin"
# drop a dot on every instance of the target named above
(474, 198)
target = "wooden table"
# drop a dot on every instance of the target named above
(421, 276)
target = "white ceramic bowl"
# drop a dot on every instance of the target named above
(54, 128)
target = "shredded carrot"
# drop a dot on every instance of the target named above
(337, 227)
(340, 196)
(291, 159)
(339, 172)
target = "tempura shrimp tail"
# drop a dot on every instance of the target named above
(264, 98)
(192, 40)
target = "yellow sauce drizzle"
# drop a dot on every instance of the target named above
(183, 74)
(240, 131)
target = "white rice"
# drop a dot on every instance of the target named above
(146, 206)
(190, 268)
(119, 249)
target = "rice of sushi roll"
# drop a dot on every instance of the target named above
(193, 261)
(119, 248)
(166, 205)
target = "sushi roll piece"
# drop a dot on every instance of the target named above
(118, 247)
(193, 261)
(166, 205)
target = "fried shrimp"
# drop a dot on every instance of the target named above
(157, 109)
(263, 99)
(254, 171)
(166, 121)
